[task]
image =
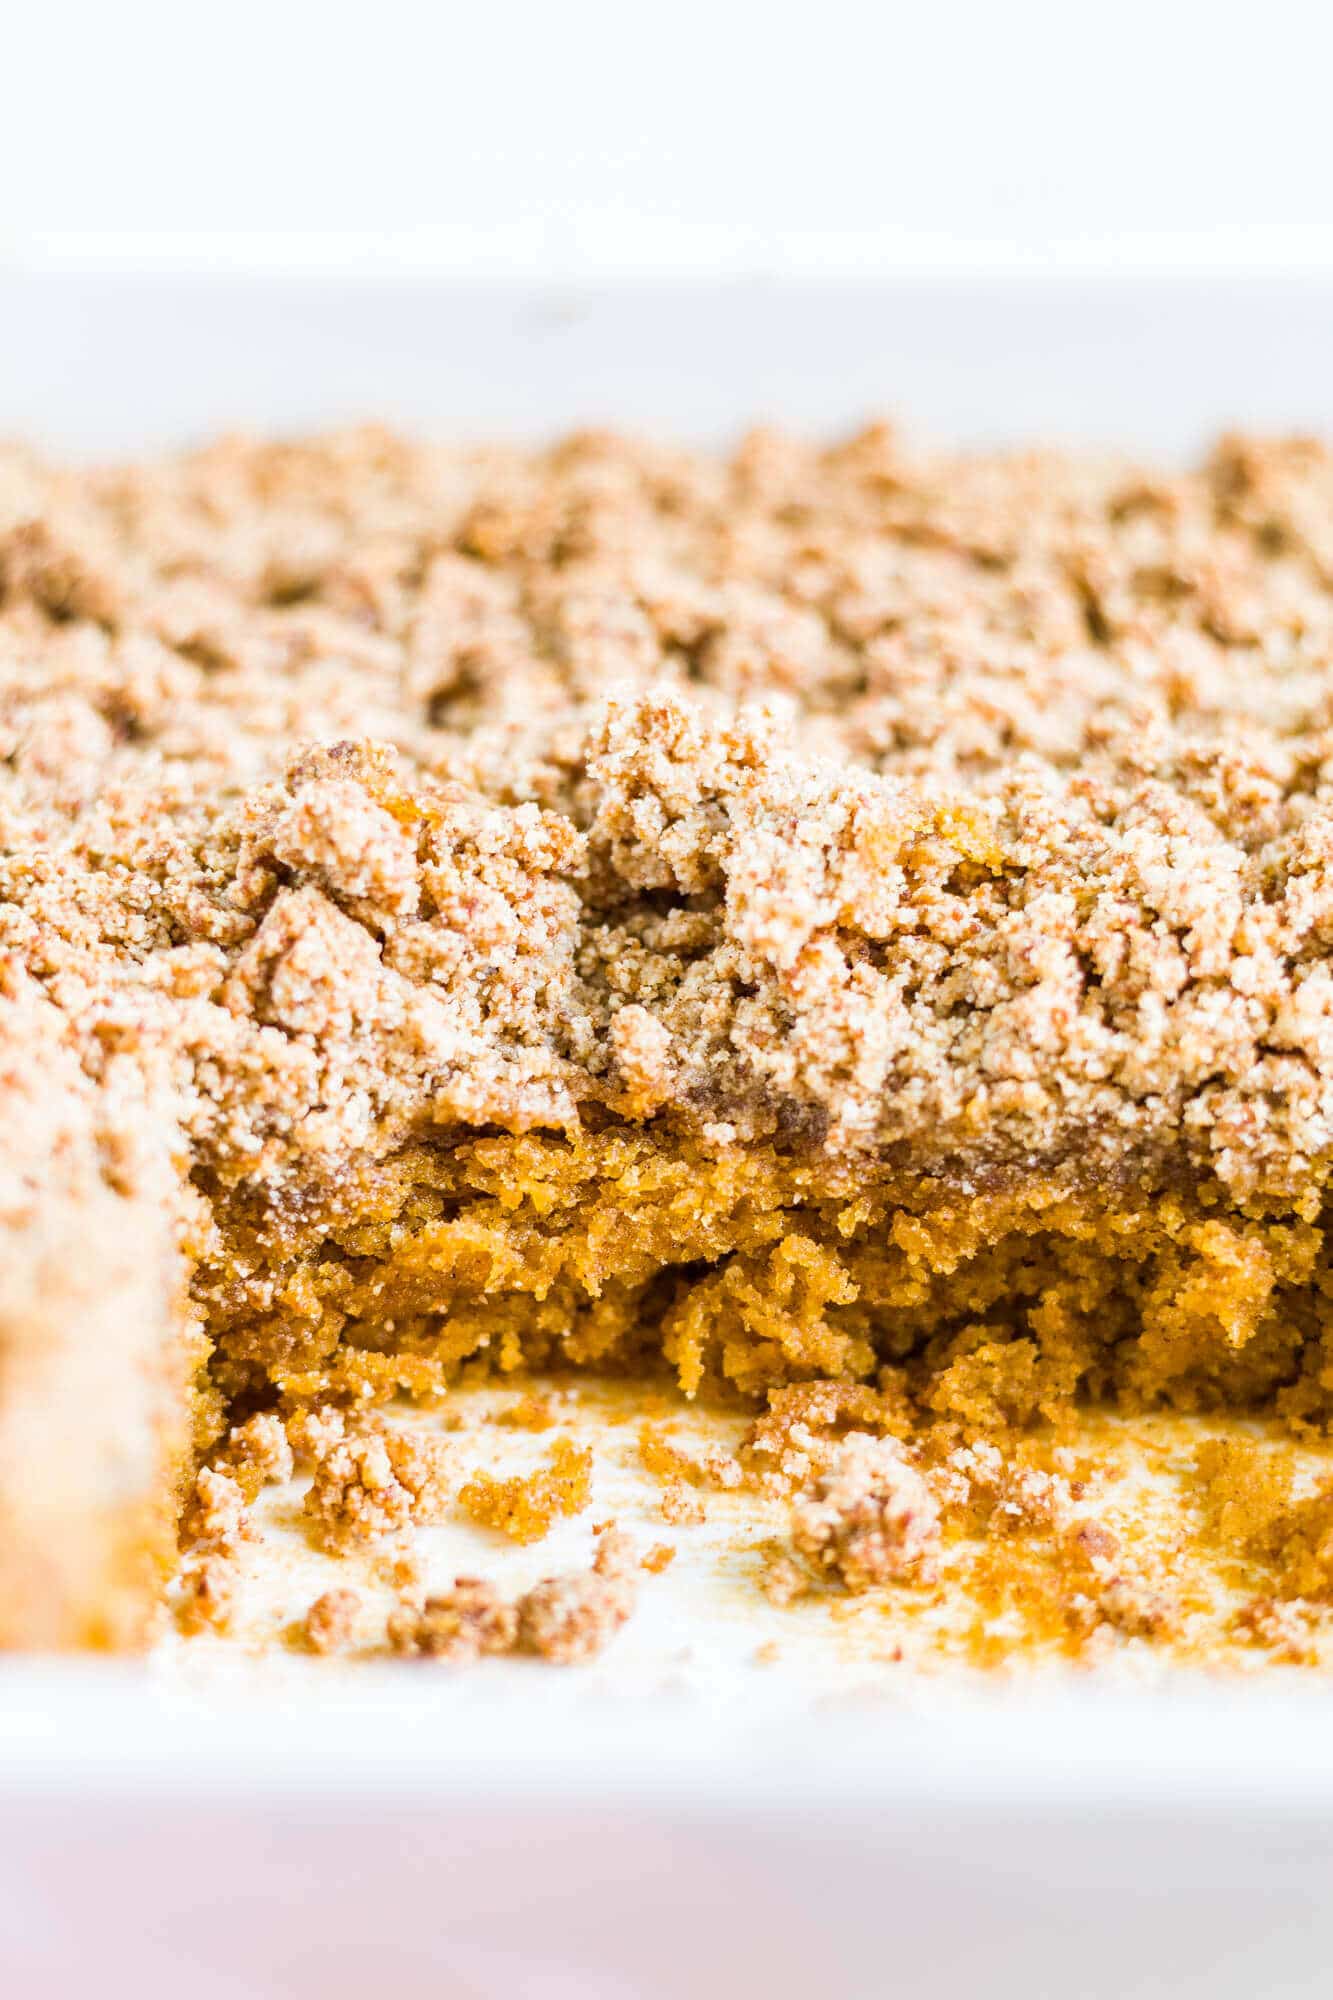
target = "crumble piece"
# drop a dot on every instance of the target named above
(783, 1581)
(256, 1453)
(208, 1595)
(218, 1512)
(640, 1047)
(401, 1566)
(1104, 1587)
(987, 1488)
(871, 1517)
(1138, 1608)
(659, 1557)
(525, 1507)
(457, 1625)
(680, 1506)
(330, 1624)
(313, 1432)
(1285, 1627)
(530, 1413)
(370, 1485)
(722, 1470)
(785, 1441)
(569, 1619)
(665, 1460)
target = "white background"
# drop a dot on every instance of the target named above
(598, 139)
(1013, 152)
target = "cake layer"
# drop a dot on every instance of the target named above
(748, 1270)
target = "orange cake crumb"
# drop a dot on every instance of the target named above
(524, 1508)
(530, 1413)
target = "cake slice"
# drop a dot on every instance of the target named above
(98, 1367)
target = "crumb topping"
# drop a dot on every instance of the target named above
(372, 1484)
(256, 1453)
(870, 1517)
(458, 1625)
(569, 1619)
(331, 1623)
(847, 794)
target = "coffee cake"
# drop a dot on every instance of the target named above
(810, 914)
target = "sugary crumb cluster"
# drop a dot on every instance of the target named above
(804, 911)
(870, 1517)
(567, 1619)
(371, 1483)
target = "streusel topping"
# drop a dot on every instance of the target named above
(844, 799)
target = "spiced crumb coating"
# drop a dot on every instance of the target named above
(797, 911)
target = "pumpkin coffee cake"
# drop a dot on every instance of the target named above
(803, 916)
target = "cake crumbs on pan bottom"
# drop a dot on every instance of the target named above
(1172, 1540)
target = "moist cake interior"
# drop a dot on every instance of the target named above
(804, 913)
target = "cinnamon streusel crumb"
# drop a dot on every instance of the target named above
(256, 1454)
(208, 1595)
(217, 1514)
(569, 1619)
(457, 1625)
(331, 1623)
(374, 1483)
(871, 1516)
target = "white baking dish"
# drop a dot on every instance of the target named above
(534, 1834)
